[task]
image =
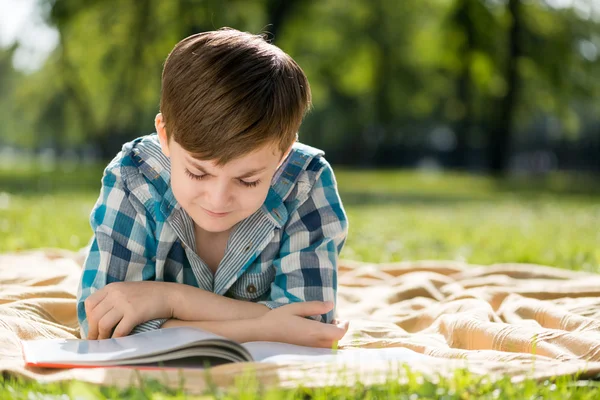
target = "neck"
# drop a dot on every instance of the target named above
(201, 233)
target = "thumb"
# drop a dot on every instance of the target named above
(309, 308)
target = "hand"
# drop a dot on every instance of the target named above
(288, 324)
(124, 305)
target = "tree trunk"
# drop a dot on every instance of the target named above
(278, 11)
(383, 115)
(464, 124)
(501, 133)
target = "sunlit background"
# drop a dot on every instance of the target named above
(459, 129)
(479, 84)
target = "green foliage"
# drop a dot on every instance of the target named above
(372, 65)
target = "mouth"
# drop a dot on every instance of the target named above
(214, 214)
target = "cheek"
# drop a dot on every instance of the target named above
(183, 189)
(253, 199)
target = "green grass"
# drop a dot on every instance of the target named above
(47, 209)
(405, 216)
(394, 216)
(462, 385)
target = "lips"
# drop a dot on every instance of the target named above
(215, 214)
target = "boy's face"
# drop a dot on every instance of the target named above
(217, 198)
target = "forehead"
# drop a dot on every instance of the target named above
(262, 156)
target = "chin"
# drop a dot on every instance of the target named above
(214, 227)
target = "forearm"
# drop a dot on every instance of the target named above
(244, 330)
(190, 303)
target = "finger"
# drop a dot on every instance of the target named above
(309, 308)
(124, 328)
(331, 333)
(108, 322)
(344, 325)
(94, 299)
(94, 318)
(339, 321)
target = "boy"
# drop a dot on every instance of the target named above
(221, 220)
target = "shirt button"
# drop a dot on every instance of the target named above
(248, 247)
(251, 289)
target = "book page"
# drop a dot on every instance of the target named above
(264, 350)
(270, 352)
(57, 351)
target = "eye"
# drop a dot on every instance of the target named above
(250, 184)
(193, 176)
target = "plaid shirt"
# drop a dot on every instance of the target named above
(285, 252)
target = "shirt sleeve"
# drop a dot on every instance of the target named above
(122, 245)
(306, 267)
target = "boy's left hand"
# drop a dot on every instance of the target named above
(124, 305)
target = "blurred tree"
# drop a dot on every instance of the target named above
(475, 37)
(9, 79)
(463, 19)
(278, 12)
(387, 76)
(501, 131)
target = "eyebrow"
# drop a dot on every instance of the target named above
(244, 175)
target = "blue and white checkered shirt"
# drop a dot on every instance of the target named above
(285, 252)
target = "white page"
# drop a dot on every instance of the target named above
(264, 350)
(143, 344)
(146, 344)
(280, 353)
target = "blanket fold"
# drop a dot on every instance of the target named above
(523, 320)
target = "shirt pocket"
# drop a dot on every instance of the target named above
(254, 284)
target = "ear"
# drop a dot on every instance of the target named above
(159, 124)
(284, 156)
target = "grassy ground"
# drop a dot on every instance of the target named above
(399, 216)
(393, 216)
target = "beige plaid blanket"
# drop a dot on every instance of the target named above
(516, 319)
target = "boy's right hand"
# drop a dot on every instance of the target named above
(288, 324)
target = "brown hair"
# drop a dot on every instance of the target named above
(226, 93)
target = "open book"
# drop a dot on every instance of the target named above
(187, 347)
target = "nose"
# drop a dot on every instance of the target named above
(218, 197)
